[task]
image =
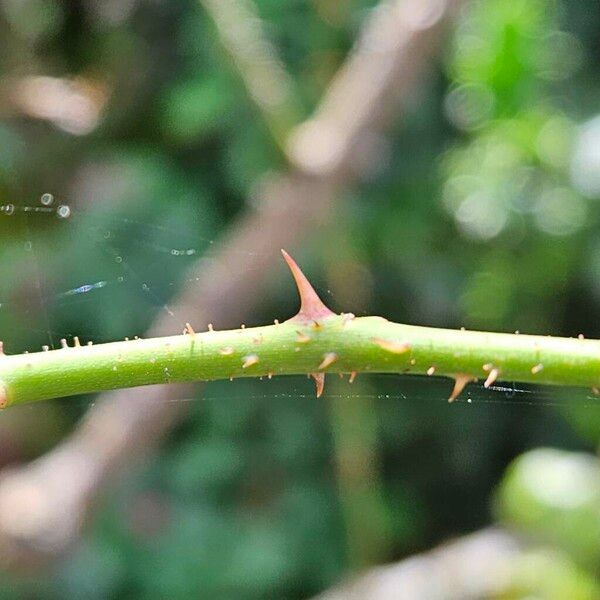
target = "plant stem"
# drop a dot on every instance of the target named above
(313, 342)
(365, 344)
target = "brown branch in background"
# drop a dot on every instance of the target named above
(44, 505)
(73, 105)
(384, 69)
(470, 568)
(242, 33)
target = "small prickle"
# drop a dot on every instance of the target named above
(537, 369)
(47, 348)
(226, 351)
(328, 359)
(63, 343)
(431, 370)
(347, 318)
(491, 378)
(189, 330)
(76, 342)
(250, 360)
(352, 376)
(1, 348)
(302, 338)
(460, 381)
(391, 346)
(319, 382)
(210, 327)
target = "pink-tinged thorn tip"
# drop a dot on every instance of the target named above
(312, 308)
(319, 382)
(491, 378)
(460, 381)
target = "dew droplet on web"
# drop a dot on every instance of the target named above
(46, 199)
(118, 259)
(63, 211)
(9, 209)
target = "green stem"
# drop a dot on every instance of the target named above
(336, 344)
(315, 341)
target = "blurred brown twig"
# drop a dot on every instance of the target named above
(73, 105)
(470, 568)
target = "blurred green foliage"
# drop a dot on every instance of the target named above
(555, 495)
(480, 210)
(549, 575)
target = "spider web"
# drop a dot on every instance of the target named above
(47, 249)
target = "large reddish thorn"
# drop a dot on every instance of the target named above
(312, 309)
